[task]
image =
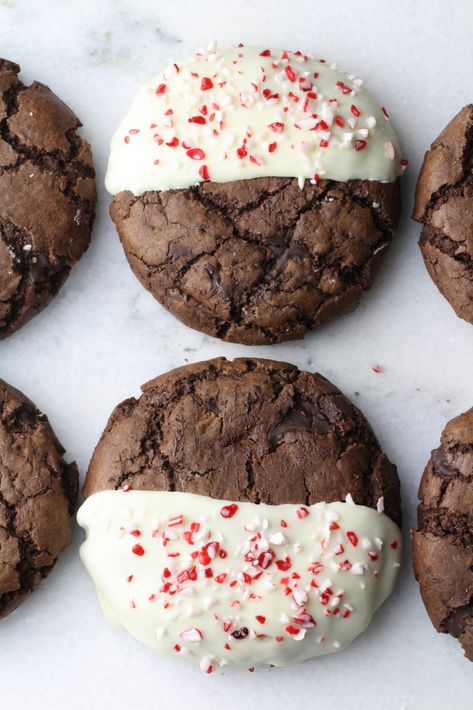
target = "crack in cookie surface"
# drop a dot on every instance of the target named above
(258, 261)
(244, 430)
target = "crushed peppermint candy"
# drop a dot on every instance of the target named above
(248, 113)
(243, 573)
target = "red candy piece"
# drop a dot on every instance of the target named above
(290, 73)
(353, 537)
(302, 513)
(228, 511)
(206, 83)
(292, 630)
(265, 559)
(284, 565)
(195, 154)
(204, 172)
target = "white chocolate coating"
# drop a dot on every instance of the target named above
(221, 583)
(243, 113)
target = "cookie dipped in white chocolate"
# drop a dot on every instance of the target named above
(221, 583)
(243, 113)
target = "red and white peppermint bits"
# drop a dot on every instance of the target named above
(355, 110)
(222, 107)
(302, 513)
(284, 564)
(206, 83)
(265, 559)
(195, 154)
(276, 126)
(228, 511)
(353, 538)
(290, 73)
(197, 119)
(175, 520)
(204, 172)
(222, 582)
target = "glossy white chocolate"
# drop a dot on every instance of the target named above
(237, 114)
(266, 584)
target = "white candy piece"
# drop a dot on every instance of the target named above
(277, 539)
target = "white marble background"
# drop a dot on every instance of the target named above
(104, 336)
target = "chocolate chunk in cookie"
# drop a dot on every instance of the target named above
(444, 205)
(248, 430)
(47, 197)
(443, 542)
(38, 493)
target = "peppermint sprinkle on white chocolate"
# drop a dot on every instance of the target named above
(242, 113)
(223, 583)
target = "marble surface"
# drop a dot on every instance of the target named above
(104, 336)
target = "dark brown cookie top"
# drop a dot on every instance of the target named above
(444, 205)
(47, 196)
(38, 494)
(260, 260)
(250, 429)
(443, 542)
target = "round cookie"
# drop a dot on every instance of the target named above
(444, 205)
(47, 197)
(38, 494)
(255, 192)
(443, 541)
(248, 430)
(222, 519)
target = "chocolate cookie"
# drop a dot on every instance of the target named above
(255, 192)
(248, 430)
(47, 197)
(443, 542)
(38, 493)
(258, 261)
(444, 205)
